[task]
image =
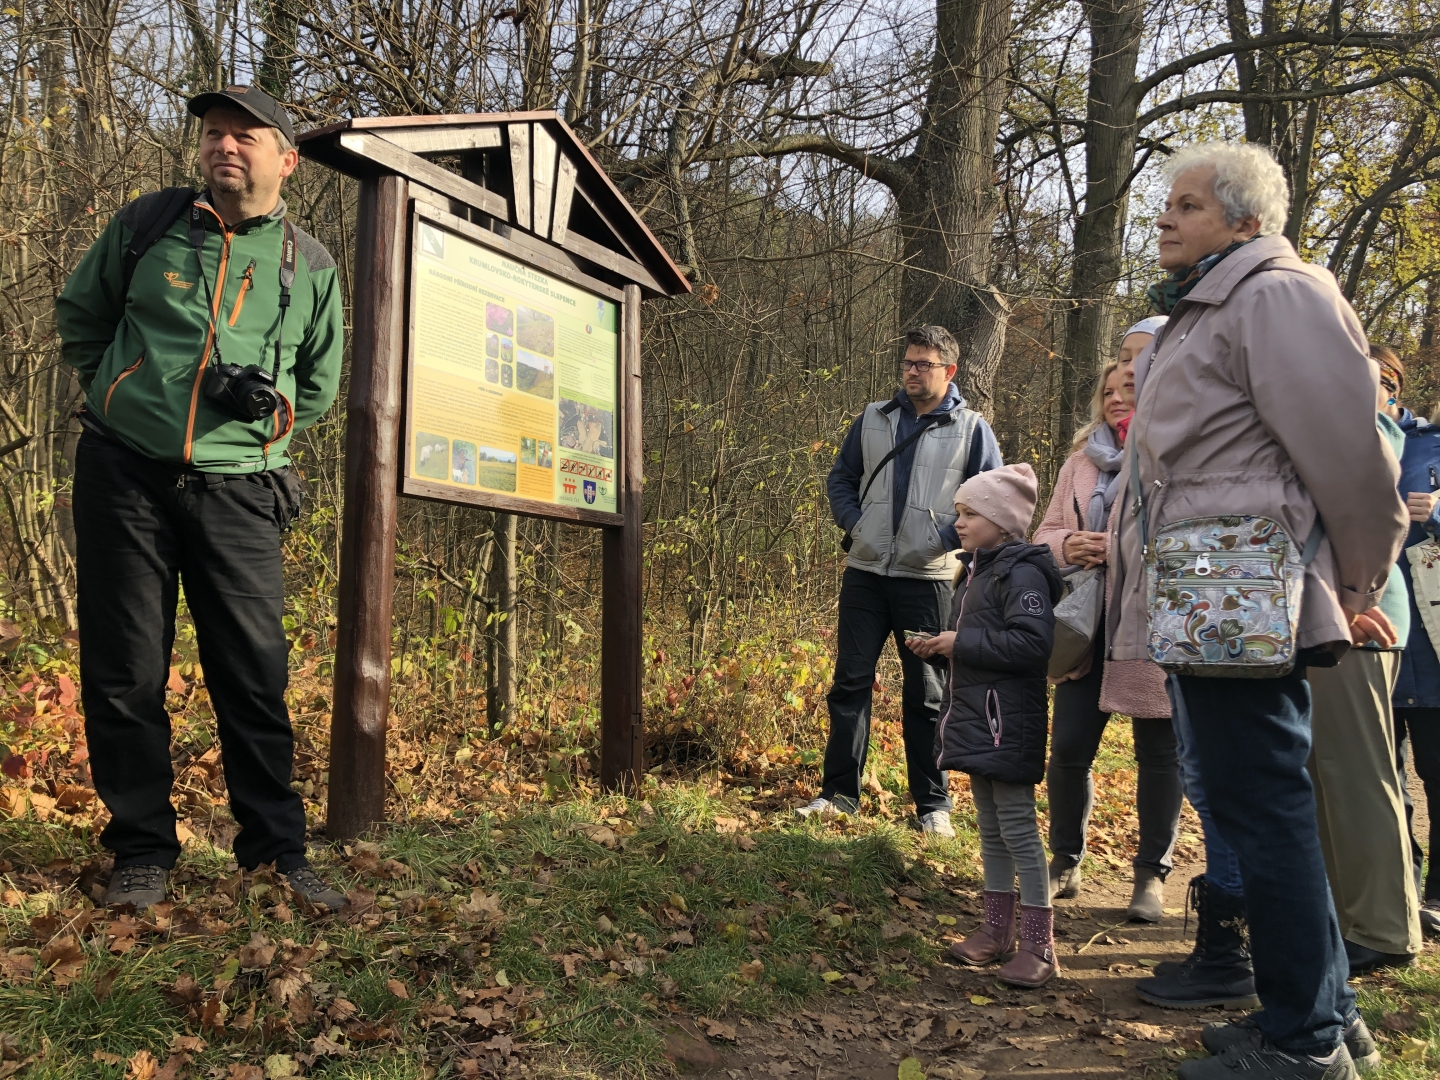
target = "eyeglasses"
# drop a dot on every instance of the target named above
(920, 365)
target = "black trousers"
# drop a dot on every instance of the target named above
(1076, 728)
(1419, 730)
(143, 528)
(874, 608)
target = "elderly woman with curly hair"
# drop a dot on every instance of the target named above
(1259, 400)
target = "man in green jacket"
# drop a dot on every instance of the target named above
(205, 330)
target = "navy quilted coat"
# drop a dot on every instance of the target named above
(995, 714)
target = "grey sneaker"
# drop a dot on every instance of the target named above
(306, 885)
(141, 886)
(1265, 1062)
(816, 806)
(1430, 917)
(937, 822)
(1244, 1031)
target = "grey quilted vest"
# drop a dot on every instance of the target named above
(916, 551)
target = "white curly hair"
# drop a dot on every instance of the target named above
(1248, 180)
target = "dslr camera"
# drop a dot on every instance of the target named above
(246, 393)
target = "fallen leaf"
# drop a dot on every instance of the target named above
(398, 988)
(1414, 1049)
(1401, 1020)
(945, 920)
(752, 971)
(921, 1031)
(481, 908)
(64, 958)
(666, 987)
(245, 1072)
(910, 1069)
(212, 1014)
(142, 1066)
(1110, 1050)
(187, 1044)
(598, 834)
(745, 842)
(280, 1067)
(1147, 963)
(322, 1046)
(1037, 1010)
(831, 976)
(892, 930)
(257, 954)
(716, 1030)
(981, 999)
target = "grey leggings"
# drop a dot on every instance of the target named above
(1010, 839)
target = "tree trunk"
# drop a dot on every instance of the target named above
(948, 207)
(1112, 107)
(280, 23)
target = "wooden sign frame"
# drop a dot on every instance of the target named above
(492, 500)
(574, 224)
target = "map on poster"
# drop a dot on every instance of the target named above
(513, 377)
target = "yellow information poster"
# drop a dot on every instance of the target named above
(513, 377)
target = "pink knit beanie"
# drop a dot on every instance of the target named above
(1005, 495)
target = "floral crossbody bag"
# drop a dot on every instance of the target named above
(1223, 593)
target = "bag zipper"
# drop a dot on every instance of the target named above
(128, 371)
(245, 282)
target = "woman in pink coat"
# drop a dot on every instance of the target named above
(1075, 527)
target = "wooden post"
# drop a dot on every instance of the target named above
(622, 757)
(367, 547)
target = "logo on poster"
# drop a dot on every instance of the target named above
(569, 487)
(589, 491)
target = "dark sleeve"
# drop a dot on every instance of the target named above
(843, 483)
(984, 454)
(1029, 635)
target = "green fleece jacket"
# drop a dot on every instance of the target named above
(142, 357)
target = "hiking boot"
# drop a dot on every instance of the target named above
(995, 938)
(815, 806)
(1064, 878)
(1364, 960)
(1034, 963)
(1147, 902)
(1218, 971)
(937, 822)
(141, 886)
(1219, 1037)
(308, 887)
(1267, 1062)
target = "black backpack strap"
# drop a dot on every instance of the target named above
(175, 201)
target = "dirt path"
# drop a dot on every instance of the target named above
(1087, 1022)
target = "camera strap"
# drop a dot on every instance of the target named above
(287, 279)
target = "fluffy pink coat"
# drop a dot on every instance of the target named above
(1130, 687)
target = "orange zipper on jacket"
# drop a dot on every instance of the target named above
(110, 393)
(210, 334)
(245, 283)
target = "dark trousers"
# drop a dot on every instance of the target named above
(1418, 731)
(1252, 737)
(143, 528)
(1075, 731)
(872, 609)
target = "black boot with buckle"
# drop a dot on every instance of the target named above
(1218, 971)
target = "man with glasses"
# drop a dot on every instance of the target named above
(892, 490)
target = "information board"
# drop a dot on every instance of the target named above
(512, 380)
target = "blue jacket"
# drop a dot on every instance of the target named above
(847, 475)
(1419, 682)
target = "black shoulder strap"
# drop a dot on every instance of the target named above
(176, 200)
(944, 420)
(287, 279)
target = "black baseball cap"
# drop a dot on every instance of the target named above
(252, 99)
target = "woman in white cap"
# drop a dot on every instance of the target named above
(1076, 529)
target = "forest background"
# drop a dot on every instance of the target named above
(828, 172)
